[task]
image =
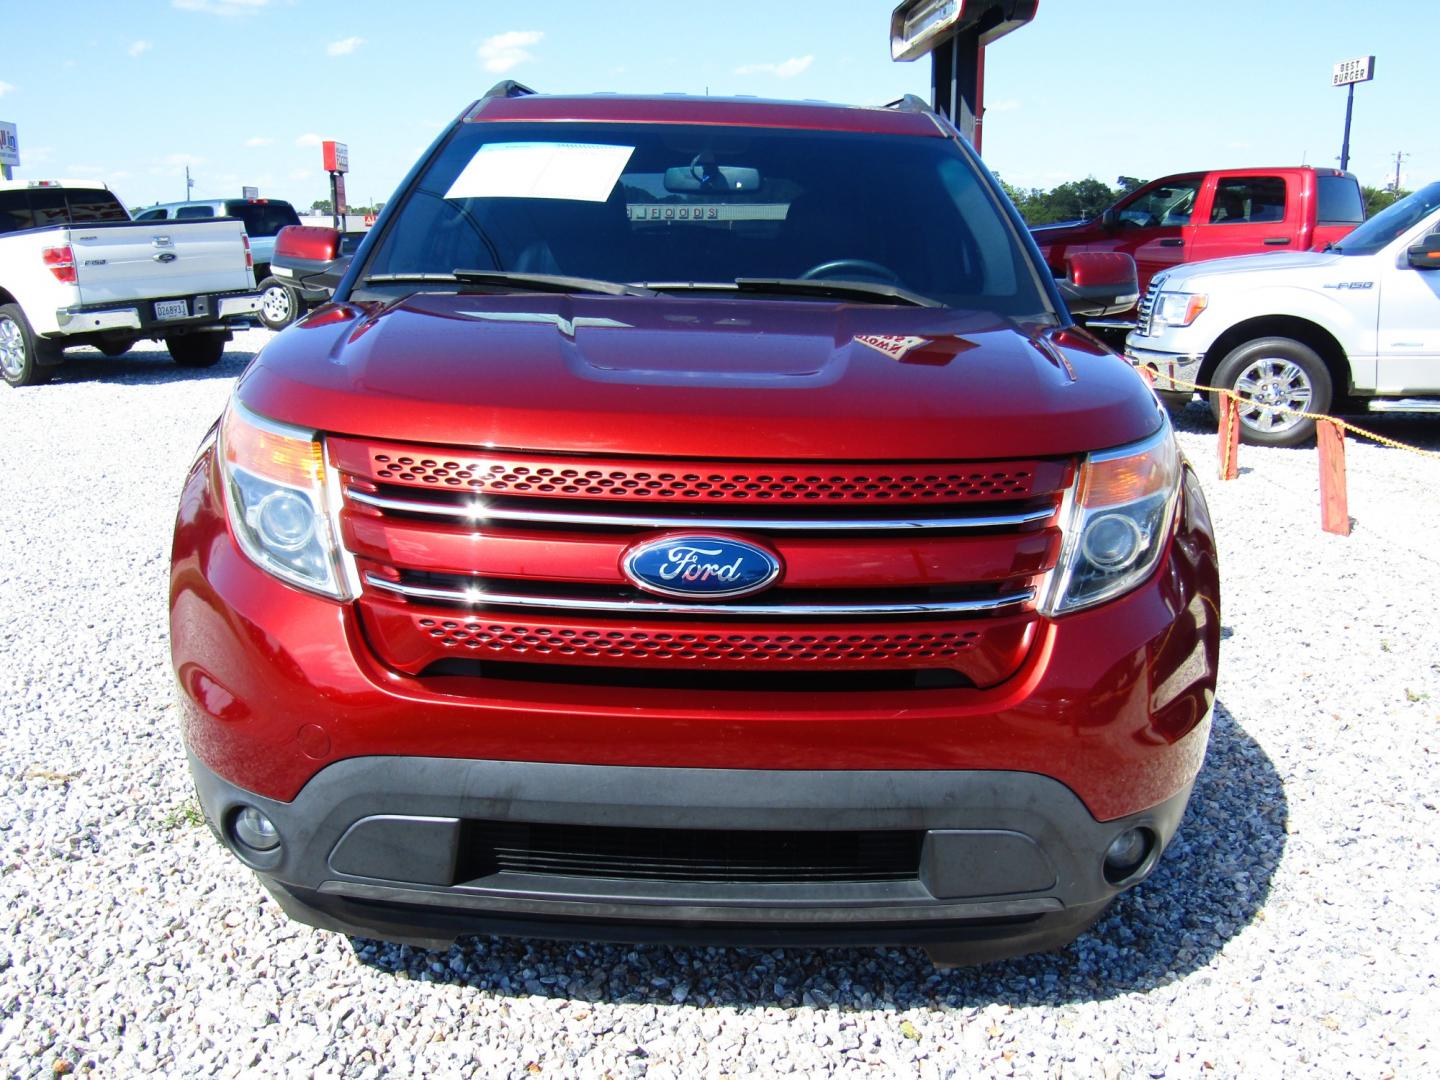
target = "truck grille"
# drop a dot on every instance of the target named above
(1145, 313)
(516, 560)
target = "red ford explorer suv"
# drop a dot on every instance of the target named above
(697, 520)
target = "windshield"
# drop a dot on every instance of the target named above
(679, 205)
(1395, 220)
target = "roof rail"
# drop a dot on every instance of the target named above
(509, 88)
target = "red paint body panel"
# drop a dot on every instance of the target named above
(1111, 701)
(699, 382)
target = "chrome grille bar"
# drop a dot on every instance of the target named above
(476, 513)
(480, 598)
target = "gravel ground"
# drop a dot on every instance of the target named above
(1291, 929)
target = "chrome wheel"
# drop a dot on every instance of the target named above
(276, 305)
(1275, 391)
(12, 348)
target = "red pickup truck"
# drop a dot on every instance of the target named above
(1211, 215)
(659, 537)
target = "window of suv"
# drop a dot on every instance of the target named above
(262, 218)
(697, 205)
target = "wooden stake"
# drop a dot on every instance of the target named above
(1229, 446)
(1334, 505)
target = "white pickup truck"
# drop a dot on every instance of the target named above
(1354, 326)
(75, 270)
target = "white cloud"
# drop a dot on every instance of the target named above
(259, 140)
(785, 69)
(221, 7)
(38, 155)
(1003, 105)
(301, 174)
(138, 47)
(344, 47)
(5, 88)
(309, 139)
(505, 51)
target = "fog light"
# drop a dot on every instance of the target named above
(1127, 853)
(255, 830)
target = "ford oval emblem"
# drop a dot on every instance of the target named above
(700, 567)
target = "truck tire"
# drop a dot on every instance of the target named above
(1274, 371)
(22, 354)
(196, 350)
(280, 305)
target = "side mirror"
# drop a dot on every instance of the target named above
(312, 254)
(1109, 219)
(1099, 283)
(1426, 254)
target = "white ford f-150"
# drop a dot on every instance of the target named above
(1354, 326)
(75, 270)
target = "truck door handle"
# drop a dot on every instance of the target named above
(1172, 241)
(1277, 240)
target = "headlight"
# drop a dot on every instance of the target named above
(1179, 308)
(1119, 519)
(275, 498)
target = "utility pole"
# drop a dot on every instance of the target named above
(1399, 157)
(189, 184)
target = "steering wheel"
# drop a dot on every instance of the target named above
(864, 266)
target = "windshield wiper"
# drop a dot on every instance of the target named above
(559, 283)
(874, 292)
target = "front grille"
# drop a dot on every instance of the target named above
(511, 559)
(1145, 313)
(708, 482)
(688, 855)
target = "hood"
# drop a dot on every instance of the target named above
(1275, 262)
(703, 378)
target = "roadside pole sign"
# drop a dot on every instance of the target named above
(1360, 69)
(1347, 73)
(9, 148)
(337, 156)
(249, 192)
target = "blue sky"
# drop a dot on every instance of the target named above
(243, 90)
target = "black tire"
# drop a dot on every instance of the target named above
(280, 305)
(23, 356)
(196, 350)
(114, 348)
(1274, 371)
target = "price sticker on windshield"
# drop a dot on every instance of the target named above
(581, 172)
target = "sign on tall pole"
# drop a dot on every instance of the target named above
(1347, 73)
(336, 157)
(9, 149)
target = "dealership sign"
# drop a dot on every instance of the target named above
(337, 156)
(9, 145)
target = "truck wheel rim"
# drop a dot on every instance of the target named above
(1269, 386)
(12, 348)
(276, 304)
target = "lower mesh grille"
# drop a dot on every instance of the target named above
(689, 854)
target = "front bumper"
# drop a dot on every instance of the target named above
(1166, 366)
(392, 847)
(219, 310)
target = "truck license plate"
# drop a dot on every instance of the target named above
(172, 309)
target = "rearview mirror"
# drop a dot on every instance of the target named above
(1426, 254)
(711, 178)
(1099, 283)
